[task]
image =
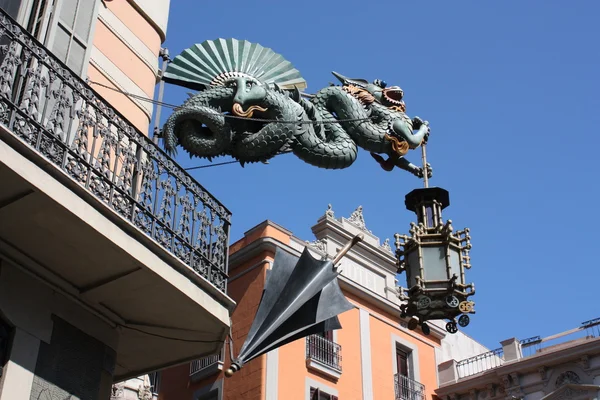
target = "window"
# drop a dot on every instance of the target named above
(37, 24)
(71, 32)
(318, 394)
(401, 361)
(327, 335)
(65, 27)
(406, 385)
(11, 7)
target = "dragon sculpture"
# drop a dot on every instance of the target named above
(249, 106)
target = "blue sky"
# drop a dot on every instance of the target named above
(511, 92)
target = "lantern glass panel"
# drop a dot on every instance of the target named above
(412, 268)
(434, 263)
(455, 263)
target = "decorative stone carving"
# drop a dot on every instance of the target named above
(357, 219)
(329, 213)
(585, 362)
(386, 246)
(145, 390)
(566, 378)
(473, 394)
(491, 390)
(117, 391)
(543, 373)
(320, 245)
(569, 393)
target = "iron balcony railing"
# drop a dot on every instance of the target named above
(154, 383)
(198, 365)
(324, 351)
(535, 345)
(408, 389)
(480, 363)
(67, 124)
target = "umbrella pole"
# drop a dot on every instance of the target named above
(347, 248)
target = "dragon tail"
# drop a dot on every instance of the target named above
(201, 130)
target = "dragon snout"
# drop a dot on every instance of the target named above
(394, 95)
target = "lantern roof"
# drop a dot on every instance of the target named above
(417, 196)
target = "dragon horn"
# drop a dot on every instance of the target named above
(296, 94)
(350, 81)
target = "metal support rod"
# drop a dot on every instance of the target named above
(347, 247)
(164, 54)
(425, 168)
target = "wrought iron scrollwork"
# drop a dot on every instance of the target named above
(50, 109)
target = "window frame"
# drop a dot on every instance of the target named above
(54, 24)
(405, 355)
(412, 351)
(49, 14)
(315, 394)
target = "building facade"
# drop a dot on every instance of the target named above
(559, 367)
(374, 355)
(107, 246)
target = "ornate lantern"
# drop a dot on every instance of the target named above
(434, 258)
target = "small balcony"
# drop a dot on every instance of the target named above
(205, 367)
(408, 389)
(93, 208)
(324, 356)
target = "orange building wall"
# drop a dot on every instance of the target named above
(383, 353)
(250, 381)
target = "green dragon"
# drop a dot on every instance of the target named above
(253, 118)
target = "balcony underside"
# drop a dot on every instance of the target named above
(69, 242)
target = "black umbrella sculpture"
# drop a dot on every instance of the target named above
(301, 297)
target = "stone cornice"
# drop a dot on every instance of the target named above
(327, 225)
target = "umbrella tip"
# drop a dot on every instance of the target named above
(232, 370)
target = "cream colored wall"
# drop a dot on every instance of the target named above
(156, 11)
(458, 346)
(124, 55)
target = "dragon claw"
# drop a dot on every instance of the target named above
(420, 173)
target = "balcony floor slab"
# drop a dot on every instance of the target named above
(69, 243)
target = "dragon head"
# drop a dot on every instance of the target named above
(387, 96)
(249, 93)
